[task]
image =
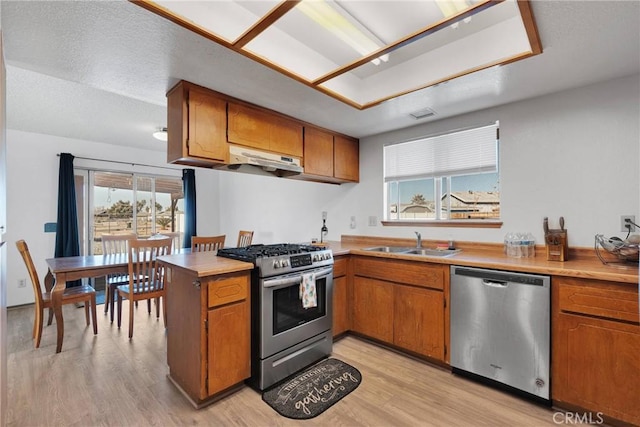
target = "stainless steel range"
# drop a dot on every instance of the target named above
(290, 324)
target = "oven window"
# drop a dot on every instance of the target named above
(288, 310)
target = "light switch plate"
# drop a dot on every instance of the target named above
(373, 221)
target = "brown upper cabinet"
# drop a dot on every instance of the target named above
(196, 126)
(330, 157)
(318, 152)
(202, 123)
(264, 130)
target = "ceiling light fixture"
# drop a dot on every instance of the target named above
(452, 7)
(335, 19)
(422, 114)
(161, 134)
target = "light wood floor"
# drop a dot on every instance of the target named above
(111, 381)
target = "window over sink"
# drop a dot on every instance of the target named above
(446, 179)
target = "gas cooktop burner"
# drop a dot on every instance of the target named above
(253, 252)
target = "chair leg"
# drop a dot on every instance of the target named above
(130, 320)
(112, 296)
(119, 309)
(37, 327)
(107, 296)
(157, 303)
(50, 317)
(86, 312)
(149, 306)
(94, 315)
(164, 310)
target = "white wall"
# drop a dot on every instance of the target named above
(278, 209)
(573, 153)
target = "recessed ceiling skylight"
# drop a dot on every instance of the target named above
(364, 52)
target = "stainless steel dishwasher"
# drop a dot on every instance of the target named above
(500, 327)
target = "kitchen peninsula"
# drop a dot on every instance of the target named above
(208, 324)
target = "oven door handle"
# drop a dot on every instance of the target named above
(294, 279)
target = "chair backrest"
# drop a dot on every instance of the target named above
(116, 243)
(145, 274)
(244, 238)
(33, 274)
(204, 244)
(175, 239)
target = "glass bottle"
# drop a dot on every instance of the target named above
(323, 231)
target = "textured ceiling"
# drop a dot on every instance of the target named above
(100, 70)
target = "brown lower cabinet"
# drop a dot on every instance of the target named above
(341, 317)
(373, 308)
(418, 320)
(208, 333)
(596, 347)
(401, 303)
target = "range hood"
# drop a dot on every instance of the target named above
(248, 160)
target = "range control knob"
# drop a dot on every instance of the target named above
(276, 264)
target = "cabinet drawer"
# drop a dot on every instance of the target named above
(228, 289)
(598, 298)
(339, 267)
(412, 273)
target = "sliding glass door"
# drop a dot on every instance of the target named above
(122, 203)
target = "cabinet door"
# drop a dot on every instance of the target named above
(597, 365)
(229, 346)
(263, 130)
(248, 126)
(346, 158)
(340, 306)
(419, 321)
(285, 137)
(207, 126)
(318, 152)
(373, 308)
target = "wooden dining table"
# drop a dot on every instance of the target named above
(68, 269)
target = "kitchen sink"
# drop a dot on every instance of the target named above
(389, 249)
(434, 252)
(414, 251)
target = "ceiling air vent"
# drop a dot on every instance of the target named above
(427, 112)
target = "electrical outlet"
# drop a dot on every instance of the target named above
(324, 214)
(373, 221)
(627, 226)
(22, 283)
(353, 222)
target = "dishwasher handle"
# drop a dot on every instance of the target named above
(494, 283)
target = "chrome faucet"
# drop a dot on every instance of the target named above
(419, 241)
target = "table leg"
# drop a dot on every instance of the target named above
(56, 298)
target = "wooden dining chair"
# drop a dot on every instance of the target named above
(113, 244)
(175, 239)
(244, 238)
(204, 244)
(146, 277)
(85, 294)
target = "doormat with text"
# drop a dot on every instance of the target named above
(309, 393)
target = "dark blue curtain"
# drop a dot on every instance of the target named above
(189, 188)
(67, 241)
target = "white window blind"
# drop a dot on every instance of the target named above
(466, 152)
